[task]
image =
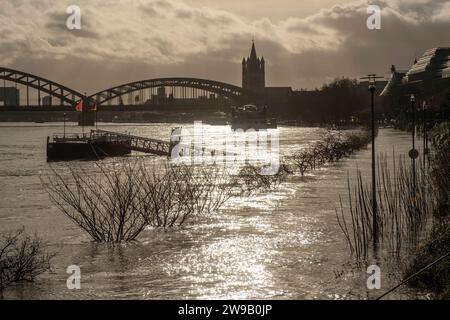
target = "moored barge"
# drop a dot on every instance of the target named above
(61, 147)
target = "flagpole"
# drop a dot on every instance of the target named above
(82, 122)
(79, 108)
(82, 114)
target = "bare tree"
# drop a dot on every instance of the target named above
(22, 258)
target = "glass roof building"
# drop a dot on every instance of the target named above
(434, 64)
(429, 75)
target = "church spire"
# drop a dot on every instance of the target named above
(253, 71)
(253, 55)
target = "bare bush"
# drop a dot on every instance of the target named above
(117, 203)
(105, 203)
(331, 148)
(22, 258)
(249, 179)
(172, 195)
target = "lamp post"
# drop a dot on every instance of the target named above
(372, 78)
(374, 194)
(85, 103)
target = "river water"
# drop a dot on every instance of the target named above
(283, 244)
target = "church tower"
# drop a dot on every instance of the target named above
(253, 72)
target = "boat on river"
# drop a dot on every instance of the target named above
(250, 116)
(62, 147)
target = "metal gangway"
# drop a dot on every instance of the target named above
(141, 144)
(153, 146)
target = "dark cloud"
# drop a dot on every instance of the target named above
(124, 41)
(184, 14)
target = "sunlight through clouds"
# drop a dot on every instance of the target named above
(162, 35)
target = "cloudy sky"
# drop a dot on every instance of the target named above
(305, 43)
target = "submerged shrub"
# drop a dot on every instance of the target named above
(250, 180)
(22, 258)
(331, 149)
(116, 203)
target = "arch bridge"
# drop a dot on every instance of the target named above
(64, 94)
(175, 88)
(182, 88)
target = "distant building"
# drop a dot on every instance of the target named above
(394, 81)
(9, 96)
(434, 64)
(253, 72)
(429, 75)
(278, 93)
(254, 80)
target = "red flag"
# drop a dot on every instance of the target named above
(79, 106)
(94, 107)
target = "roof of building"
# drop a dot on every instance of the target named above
(253, 56)
(394, 80)
(435, 63)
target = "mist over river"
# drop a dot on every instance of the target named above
(282, 244)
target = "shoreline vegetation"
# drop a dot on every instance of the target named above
(404, 207)
(332, 148)
(437, 279)
(412, 217)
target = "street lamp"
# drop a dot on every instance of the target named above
(372, 78)
(374, 194)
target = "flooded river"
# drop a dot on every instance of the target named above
(283, 244)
